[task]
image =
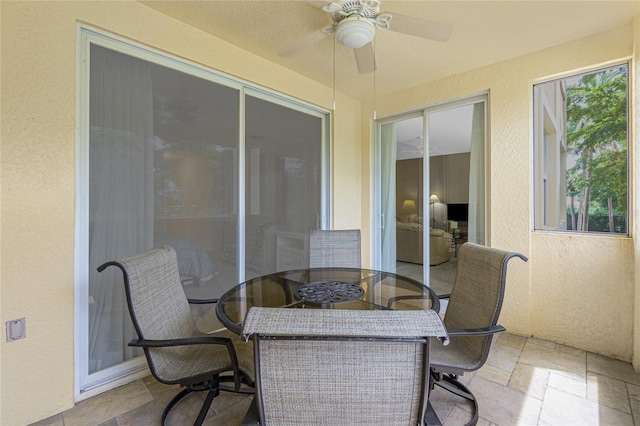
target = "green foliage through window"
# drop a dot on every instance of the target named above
(582, 171)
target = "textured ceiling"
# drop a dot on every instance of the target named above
(484, 32)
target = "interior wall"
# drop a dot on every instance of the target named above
(438, 177)
(570, 280)
(38, 122)
(449, 177)
(409, 185)
(457, 178)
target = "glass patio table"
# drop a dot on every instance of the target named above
(322, 288)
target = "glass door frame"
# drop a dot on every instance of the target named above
(379, 221)
(85, 384)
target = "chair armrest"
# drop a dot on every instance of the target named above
(186, 341)
(435, 303)
(476, 331)
(201, 340)
(393, 300)
(201, 301)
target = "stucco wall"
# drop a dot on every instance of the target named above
(576, 289)
(38, 102)
(346, 164)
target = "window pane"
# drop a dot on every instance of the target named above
(163, 170)
(457, 149)
(283, 151)
(451, 209)
(581, 156)
(195, 178)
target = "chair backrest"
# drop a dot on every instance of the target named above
(158, 306)
(334, 366)
(334, 248)
(477, 294)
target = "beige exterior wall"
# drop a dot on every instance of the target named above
(588, 305)
(38, 125)
(576, 290)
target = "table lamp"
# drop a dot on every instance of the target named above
(408, 207)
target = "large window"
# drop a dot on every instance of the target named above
(581, 152)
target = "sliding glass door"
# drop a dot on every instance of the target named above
(430, 180)
(283, 183)
(228, 175)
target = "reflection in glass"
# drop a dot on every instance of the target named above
(163, 167)
(283, 147)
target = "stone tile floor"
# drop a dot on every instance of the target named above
(526, 381)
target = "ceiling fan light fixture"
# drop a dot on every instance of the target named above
(355, 31)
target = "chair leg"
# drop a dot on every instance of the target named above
(213, 388)
(173, 402)
(430, 417)
(205, 407)
(244, 379)
(451, 384)
(252, 417)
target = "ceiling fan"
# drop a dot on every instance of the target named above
(355, 23)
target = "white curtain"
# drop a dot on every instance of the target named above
(388, 145)
(121, 195)
(477, 177)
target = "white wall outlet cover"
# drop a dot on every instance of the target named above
(16, 329)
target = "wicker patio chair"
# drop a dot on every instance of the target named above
(334, 248)
(340, 367)
(471, 317)
(176, 351)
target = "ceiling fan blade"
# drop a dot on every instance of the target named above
(365, 59)
(419, 27)
(302, 43)
(317, 4)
